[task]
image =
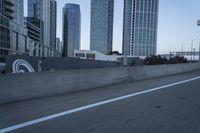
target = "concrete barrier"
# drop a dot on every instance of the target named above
(16, 87)
(2, 67)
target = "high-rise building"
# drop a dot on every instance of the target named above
(140, 27)
(5, 17)
(58, 45)
(13, 35)
(71, 29)
(53, 17)
(101, 28)
(45, 11)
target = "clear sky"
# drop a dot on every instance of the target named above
(177, 23)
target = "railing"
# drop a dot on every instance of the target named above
(187, 53)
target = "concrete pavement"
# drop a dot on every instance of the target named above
(173, 109)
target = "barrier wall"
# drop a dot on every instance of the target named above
(18, 63)
(2, 67)
(16, 87)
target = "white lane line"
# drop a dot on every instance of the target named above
(25, 124)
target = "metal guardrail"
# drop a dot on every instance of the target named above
(186, 53)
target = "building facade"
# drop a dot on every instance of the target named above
(34, 31)
(101, 27)
(59, 46)
(13, 34)
(140, 27)
(18, 13)
(45, 11)
(35, 47)
(94, 55)
(71, 29)
(5, 17)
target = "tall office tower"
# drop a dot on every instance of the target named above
(13, 35)
(71, 29)
(53, 17)
(140, 27)
(101, 28)
(45, 11)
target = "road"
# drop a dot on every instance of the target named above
(168, 104)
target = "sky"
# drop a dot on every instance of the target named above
(177, 24)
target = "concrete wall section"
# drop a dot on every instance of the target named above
(15, 87)
(2, 67)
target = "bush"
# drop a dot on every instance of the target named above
(158, 60)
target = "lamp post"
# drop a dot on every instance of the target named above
(198, 24)
(192, 48)
(194, 54)
(199, 53)
(170, 53)
(182, 48)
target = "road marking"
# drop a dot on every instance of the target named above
(29, 123)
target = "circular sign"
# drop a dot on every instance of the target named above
(21, 66)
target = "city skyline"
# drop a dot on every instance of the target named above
(171, 34)
(111, 66)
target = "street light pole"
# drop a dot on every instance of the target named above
(199, 53)
(192, 48)
(182, 49)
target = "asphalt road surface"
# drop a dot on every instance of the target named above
(168, 104)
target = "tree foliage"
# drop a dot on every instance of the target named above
(158, 60)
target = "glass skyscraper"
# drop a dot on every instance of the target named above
(101, 31)
(53, 17)
(71, 29)
(45, 11)
(140, 27)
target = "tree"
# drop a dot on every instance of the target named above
(157, 60)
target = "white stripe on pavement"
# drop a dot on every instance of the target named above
(29, 123)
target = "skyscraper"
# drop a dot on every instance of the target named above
(140, 27)
(53, 17)
(45, 11)
(5, 17)
(71, 29)
(13, 35)
(101, 31)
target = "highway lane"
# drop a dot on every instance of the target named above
(174, 109)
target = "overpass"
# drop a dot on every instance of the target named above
(161, 104)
